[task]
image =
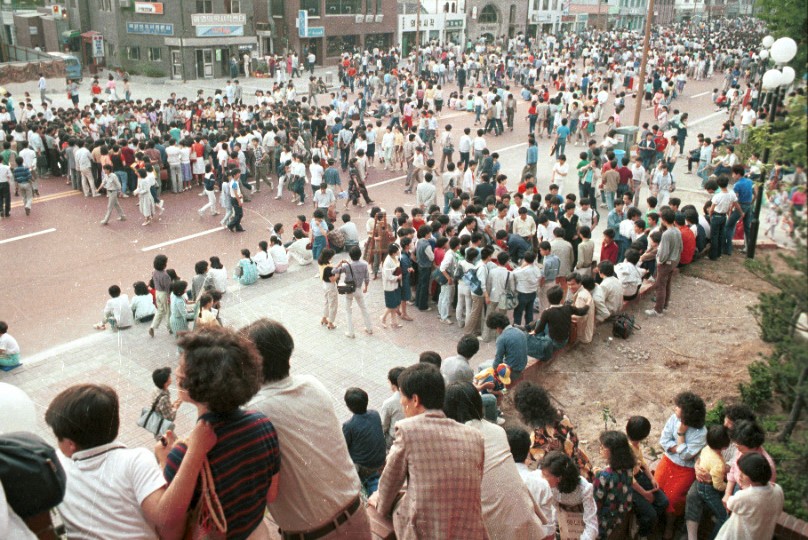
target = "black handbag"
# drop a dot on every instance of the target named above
(348, 286)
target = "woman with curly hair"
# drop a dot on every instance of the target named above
(572, 495)
(612, 485)
(552, 430)
(683, 437)
(219, 372)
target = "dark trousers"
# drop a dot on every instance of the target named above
(5, 199)
(700, 495)
(422, 288)
(464, 161)
(717, 224)
(732, 221)
(235, 222)
(524, 305)
(648, 513)
(663, 286)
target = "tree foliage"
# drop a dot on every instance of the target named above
(786, 139)
(787, 18)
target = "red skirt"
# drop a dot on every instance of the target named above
(674, 480)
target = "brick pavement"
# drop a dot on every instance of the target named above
(125, 359)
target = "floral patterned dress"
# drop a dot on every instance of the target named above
(612, 490)
(562, 437)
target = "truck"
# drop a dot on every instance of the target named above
(72, 65)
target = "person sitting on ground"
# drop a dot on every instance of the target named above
(218, 275)
(748, 437)
(117, 312)
(207, 313)
(456, 505)
(712, 462)
(391, 411)
(9, 349)
(365, 438)
(552, 430)
(753, 507)
(572, 493)
(246, 271)
(142, 304)
(85, 420)
(581, 297)
(456, 368)
(516, 516)
(611, 287)
(649, 501)
(629, 275)
(537, 486)
(552, 332)
(511, 345)
(612, 485)
(278, 254)
(300, 250)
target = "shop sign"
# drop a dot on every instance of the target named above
(98, 46)
(149, 8)
(151, 29)
(218, 19)
(219, 31)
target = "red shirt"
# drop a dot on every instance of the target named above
(688, 245)
(625, 175)
(609, 252)
(417, 222)
(661, 144)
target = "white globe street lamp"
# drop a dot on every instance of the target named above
(764, 54)
(768, 41)
(788, 76)
(772, 79)
(783, 50)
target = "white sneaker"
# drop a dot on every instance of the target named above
(652, 313)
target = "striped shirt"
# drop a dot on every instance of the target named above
(243, 462)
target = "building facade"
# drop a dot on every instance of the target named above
(331, 27)
(545, 17)
(183, 40)
(491, 20)
(631, 15)
(664, 12)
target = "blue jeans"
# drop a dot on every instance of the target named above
(732, 221)
(447, 198)
(648, 513)
(609, 200)
(318, 246)
(560, 147)
(524, 305)
(701, 494)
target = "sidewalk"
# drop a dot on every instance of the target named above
(125, 360)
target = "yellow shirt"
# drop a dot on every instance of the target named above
(638, 457)
(711, 461)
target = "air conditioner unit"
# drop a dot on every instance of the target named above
(125, 3)
(360, 19)
(534, 18)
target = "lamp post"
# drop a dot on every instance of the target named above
(781, 51)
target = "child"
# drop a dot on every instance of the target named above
(711, 460)
(9, 349)
(365, 438)
(117, 311)
(391, 411)
(649, 501)
(754, 507)
(541, 492)
(493, 381)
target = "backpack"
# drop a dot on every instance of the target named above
(31, 474)
(473, 282)
(624, 325)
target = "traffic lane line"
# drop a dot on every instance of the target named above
(46, 198)
(705, 118)
(29, 235)
(699, 95)
(182, 239)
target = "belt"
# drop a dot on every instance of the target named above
(719, 213)
(335, 523)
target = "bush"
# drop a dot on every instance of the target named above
(151, 71)
(759, 389)
(792, 470)
(714, 415)
(773, 314)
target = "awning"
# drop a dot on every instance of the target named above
(71, 34)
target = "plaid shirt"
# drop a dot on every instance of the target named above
(163, 406)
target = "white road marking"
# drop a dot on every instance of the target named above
(699, 95)
(182, 239)
(708, 117)
(24, 236)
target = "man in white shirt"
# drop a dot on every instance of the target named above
(425, 193)
(117, 311)
(6, 177)
(303, 415)
(299, 251)
(611, 287)
(469, 180)
(174, 167)
(324, 198)
(540, 491)
(560, 171)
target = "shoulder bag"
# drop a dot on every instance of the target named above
(152, 421)
(347, 286)
(509, 300)
(207, 520)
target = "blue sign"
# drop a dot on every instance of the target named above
(302, 22)
(219, 31)
(315, 31)
(152, 29)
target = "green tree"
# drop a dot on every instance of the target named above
(787, 18)
(786, 138)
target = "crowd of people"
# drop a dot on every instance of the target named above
(482, 251)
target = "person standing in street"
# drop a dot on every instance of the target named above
(356, 270)
(42, 90)
(6, 177)
(110, 182)
(237, 201)
(23, 180)
(162, 286)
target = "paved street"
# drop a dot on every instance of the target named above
(59, 263)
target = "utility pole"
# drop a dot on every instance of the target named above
(417, 39)
(644, 64)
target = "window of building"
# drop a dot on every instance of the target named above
(378, 41)
(105, 5)
(133, 53)
(378, 7)
(343, 7)
(277, 8)
(232, 6)
(488, 15)
(312, 6)
(154, 54)
(336, 45)
(204, 6)
(512, 15)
